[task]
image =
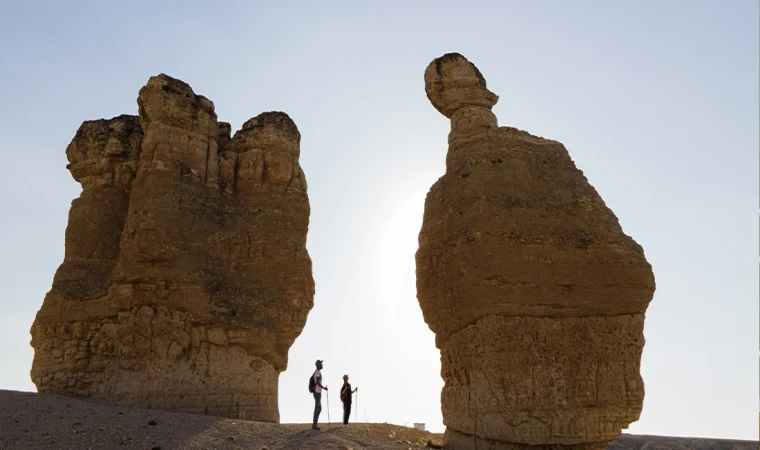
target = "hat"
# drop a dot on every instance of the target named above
(319, 361)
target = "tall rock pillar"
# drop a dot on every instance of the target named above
(186, 277)
(535, 294)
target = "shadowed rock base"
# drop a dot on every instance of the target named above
(534, 379)
(207, 378)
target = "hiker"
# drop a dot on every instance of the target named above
(345, 397)
(317, 377)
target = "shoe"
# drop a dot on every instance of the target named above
(314, 427)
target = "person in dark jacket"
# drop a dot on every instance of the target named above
(345, 397)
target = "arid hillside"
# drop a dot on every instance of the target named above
(32, 421)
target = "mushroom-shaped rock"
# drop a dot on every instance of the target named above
(535, 294)
(179, 291)
(453, 83)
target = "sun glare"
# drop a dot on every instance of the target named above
(396, 232)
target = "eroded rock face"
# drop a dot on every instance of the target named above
(535, 294)
(186, 277)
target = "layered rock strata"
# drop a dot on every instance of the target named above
(535, 294)
(186, 277)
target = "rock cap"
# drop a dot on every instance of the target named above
(452, 82)
(173, 102)
(267, 131)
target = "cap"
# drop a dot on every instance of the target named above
(318, 362)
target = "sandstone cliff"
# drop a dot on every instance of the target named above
(535, 294)
(186, 277)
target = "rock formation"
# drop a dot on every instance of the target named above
(186, 277)
(535, 294)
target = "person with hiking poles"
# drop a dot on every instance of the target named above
(345, 397)
(315, 386)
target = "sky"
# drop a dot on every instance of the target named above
(657, 103)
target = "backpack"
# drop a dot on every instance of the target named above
(345, 391)
(312, 383)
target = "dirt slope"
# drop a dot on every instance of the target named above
(32, 421)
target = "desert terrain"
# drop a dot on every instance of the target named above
(32, 421)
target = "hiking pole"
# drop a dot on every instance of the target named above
(327, 394)
(356, 411)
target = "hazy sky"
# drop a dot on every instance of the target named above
(656, 101)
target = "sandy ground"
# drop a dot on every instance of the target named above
(32, 421)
